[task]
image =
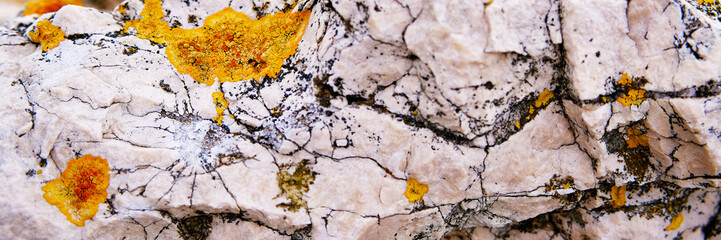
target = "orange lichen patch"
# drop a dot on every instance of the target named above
(415, 190)
(618, 196)
(220, 106)
(229, 46)
(636, 138)
(48, 35)
(45, 6)
(675, 222)
(706, 1)
(80, 188)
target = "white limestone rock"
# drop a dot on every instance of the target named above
(511, 113)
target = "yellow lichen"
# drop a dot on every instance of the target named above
(45, 6)
(675, 222)
(543, 98)
(633, 97)
(230, 46)
(706, 1)
(150, 25)
(636, 138)
(48, 35)
(220, 106)
(633, 94)
(541, 102)
(122, 10)
(80, 188)
(415, 190)
(625, 80)
(558, 182)
(618, 196)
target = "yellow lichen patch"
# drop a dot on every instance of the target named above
(541, 102)
(80, 188)
(48, 35)
(229, 46)
(45, 6)
(636, 138)
(618, 196)
(675, 222)
(415, 190)
(706, 1)
(220, 106)
(150, 25)
(121, 9)
(633, 97)
(543, 98)
(632, 92)
(557, 182)
(625, 80)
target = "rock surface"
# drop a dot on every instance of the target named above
(566, 119)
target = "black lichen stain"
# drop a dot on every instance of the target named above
(713, 227)
(165, 86)
(323, 92)
(77, 36)
(304, 233)
(456, 234)
(711, 88)
(130, 50)
(489, 85)
(43, 162)
(192, 19)
(195, 227)
(674, 199)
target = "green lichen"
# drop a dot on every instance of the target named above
(294, 186)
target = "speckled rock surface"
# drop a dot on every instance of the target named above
(563, 119)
